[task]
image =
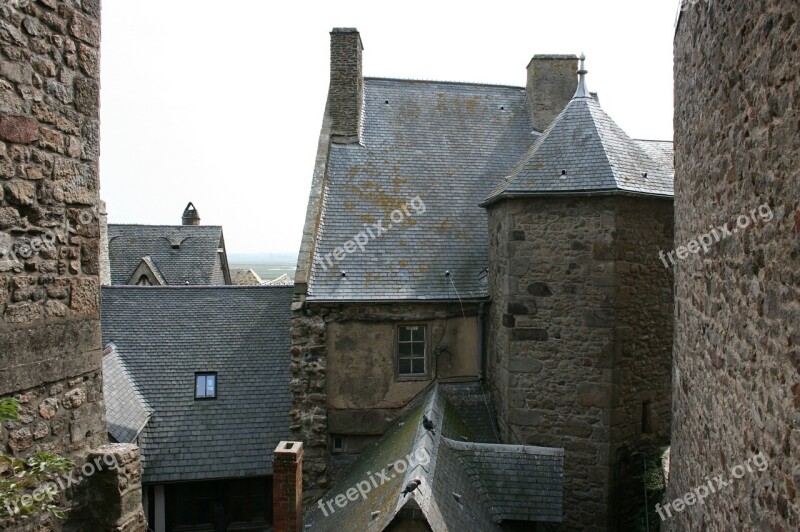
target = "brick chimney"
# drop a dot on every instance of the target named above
(552, 80)
(346, 91)
(287, 487)
(190, 215)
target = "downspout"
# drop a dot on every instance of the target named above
(480, 341)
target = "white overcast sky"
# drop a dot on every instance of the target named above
(220, 103)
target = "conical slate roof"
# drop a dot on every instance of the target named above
(584, 151)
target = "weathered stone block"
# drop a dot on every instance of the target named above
(539, 289)
(85, 29)
(49, 407)
(55, 309)
(529, 334)
(524, 365)
(85, 295)
(74, 398)
(594, 394)
(20, 439)
(23, 312)
(21, 192)
(9, 217)
(19, 129)
(87, 95)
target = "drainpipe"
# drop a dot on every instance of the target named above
(480, 341)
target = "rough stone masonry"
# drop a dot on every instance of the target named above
(736, 380)
(49, 228)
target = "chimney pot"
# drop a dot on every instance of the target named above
(190, 215)
(346, 91)
(550, 87)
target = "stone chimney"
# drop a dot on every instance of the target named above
(287, 487)
(190, 215)
(551, 84)
(346, 91)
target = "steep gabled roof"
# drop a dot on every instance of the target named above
(464, 486)
(126, 410)
(165, 334)
(180, 252)
(149, 269)
(449, 144)
(584, 151)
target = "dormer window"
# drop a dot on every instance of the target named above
(205, 386)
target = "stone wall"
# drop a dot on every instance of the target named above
(736, 383)
(49, 290)
(309, 413)
(49, 227)
(343, 375)
(580, 336)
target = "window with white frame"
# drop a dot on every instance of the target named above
(411, 351)
(205, 386)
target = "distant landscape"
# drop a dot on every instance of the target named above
(267, 265)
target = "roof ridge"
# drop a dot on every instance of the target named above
(445, 82)
(204, 226)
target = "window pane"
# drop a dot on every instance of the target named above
(418, 335)
(211, 386)
(405, 334)
(200, 390)
(419, 349)
(419, 365)
(405, 349)
(405, 366)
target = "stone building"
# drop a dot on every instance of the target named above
(198, 377)
(579, 328)
(736, 380)
(155, 255)
(553, 297)
(49, 255)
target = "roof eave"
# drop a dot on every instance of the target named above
(310, 299)
(569, 193)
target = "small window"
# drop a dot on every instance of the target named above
(205, 386)
(338, 443)
(411, 351)
(144, 280)
(647, 421)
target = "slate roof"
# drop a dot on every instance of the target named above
(465, 486)
(180, 252)
(163, 335)
(456, 146)
(584, 151)
(449, 144)
(126, 410)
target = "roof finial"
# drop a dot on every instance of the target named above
(582, 91)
